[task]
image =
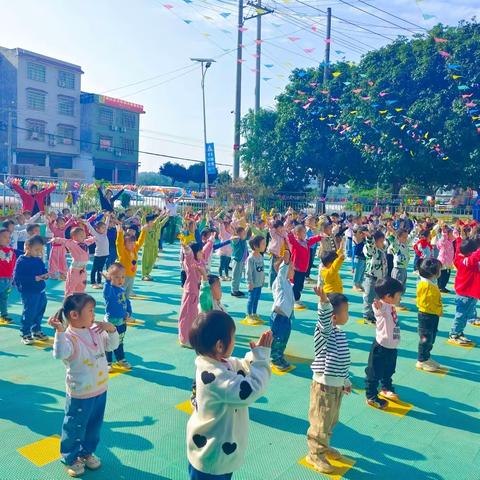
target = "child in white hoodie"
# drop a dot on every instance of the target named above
(224, 387)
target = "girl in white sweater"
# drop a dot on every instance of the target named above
(82, 345)
(224, 387)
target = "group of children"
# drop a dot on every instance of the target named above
(224, 386)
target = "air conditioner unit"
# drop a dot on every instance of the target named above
(110, 149)
(34, 136)
(52, 141)
(62, 84)
(67, 141)
(118, 153)
(124, 129)
(112, 128)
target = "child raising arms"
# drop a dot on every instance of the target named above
(225, 387)
(82, 346)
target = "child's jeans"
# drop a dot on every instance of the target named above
(381, 367)
(444, 278)
(253, 298)
(400, 274)
(237, 275)
(121, 327)
(281, 327)
(427, 330)
(323, 413)
(273, 273)
(359, 275)
(81, 427)
(465, 311)
(194, 474)
(5, 289)
(34, 305)
(298, 282)
(368, 297)
(224, 265)
(128, 286)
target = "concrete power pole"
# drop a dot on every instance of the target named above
(238, 96)
(259, 58)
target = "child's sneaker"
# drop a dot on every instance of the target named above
(299, 306)
(6, 319)
(97, 286)
(334, 454)
(76, 469)
(390, 394)
(377, 402)
(257, 318)
(250, 319)
(476, 322)
(427, 365)
(110, 368)
(92, 462)
(322, 465)
(28, 340)
(40, 336)
(281, 365)
(460, 339)
(124, 364)
(369, 321)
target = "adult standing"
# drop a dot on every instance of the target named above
(107, 199)
(170, 229)
(32, 201)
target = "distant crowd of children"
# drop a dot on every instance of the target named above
(379, 250)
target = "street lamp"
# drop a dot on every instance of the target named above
(206, 63)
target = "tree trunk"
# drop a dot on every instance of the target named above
(320, 185)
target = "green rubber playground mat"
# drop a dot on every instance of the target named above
(434, 434)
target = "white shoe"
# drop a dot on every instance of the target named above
(76, 469)
(92, 462)
(428, 366)
(124, 364)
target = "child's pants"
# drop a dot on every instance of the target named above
(427, 330)
(119, 353)
(298, 282)
(128, 286)
(389, 264)
(188, 314)
(97, 269)
(76, 281)
(253, 298)
(310, 262)
(444, 278)
(400, 274)
(359, 275)
(5, 289)
(112, 256)
(149, 257)
(237, 275)
(273, 273)
(381, 367)
(368, 297)
(81, 427)
(34, 305)
(57, 261)
(465, 311)
(224, 265)
(323, 413)
(281, 327)
(194, 474)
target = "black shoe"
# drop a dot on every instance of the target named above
(377, 402)
(370, 321)
(238, 294)
(444, 290)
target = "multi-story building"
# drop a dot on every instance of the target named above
(39, 114)
(109, 138)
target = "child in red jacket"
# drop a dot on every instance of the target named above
(7, 264)
(467, 288)
(300, 248)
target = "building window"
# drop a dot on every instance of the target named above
(65, 134)
(36, 72)
(105, 116)
(35, 130)
(128, 120)
(105, 143)
(128, 146)
(35, 99)
(66, 79)
(66, 106)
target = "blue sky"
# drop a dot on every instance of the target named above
(123, 42)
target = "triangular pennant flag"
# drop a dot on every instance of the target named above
(226, 31)
(336, 74)
(266, 78)
(456, 77)
(188, 22)
(258, 41)
(225, 14)
(269, 65)
(308, 50)
(440, 40)
(444, 54)
(339, 52)
(243, 29)
(255, 55)
(205, 34)
(168, 6)
(260, 11)
(314, 28)
(357, 90)
(240, 60)
(313, 84)
(453, 66)
(427, 16)
(382, 112)
(399, 109)
(206, 17)
(293, 39)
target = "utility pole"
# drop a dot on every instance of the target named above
(9, 141)
(258, 63)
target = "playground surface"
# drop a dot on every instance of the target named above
(433, 434)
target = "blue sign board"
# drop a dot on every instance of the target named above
(210, 158)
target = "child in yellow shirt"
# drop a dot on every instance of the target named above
(330, 271)
(429, 304)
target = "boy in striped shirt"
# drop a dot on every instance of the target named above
(330, 378)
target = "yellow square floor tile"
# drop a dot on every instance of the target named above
(4, 323)
(341, 467)
(469, 346)
(185, 407)
(441, 372)
(276, 371)
(256, 324)
(364, 322)
(42, 452)
(397, 407)
(42, 344)
(118, 370)
(135, 323)
(292, 358)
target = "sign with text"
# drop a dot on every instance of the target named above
(210, 158)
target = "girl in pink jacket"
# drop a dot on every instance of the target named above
(57, 261)
(446, 255)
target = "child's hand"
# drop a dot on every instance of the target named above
(250, 287)
(320, 293)
(39, 278)
(265, 340)
(56, 323)
(347, 390)
(376, 303)
(105, 327)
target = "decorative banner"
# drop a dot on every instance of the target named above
(210, 159)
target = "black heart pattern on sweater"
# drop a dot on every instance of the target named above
(207, 377)
(229, 448)
(242, 373)
(199, 440)
(245, 390)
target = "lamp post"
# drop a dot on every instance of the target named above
(205, 63)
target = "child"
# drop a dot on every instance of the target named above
(429, 304)
(382, 359)
(376, 269)
(310, 224)
(467, 288)
(127, 251)
(330, 271)
(255, 278)
(225, 234)
(330, 378)
(117, 310)
(211, 295)
(282, 311)
(195, 270)
(102, 250)
(29, 276)
(150, 249)
(423, 248)
(239, 255)
(82, 346)
(224, 388)
(78, 249)
(57, 260)
(358, 259)
(446, 255)
(7, 264)
(276, 246)
(300, 249)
